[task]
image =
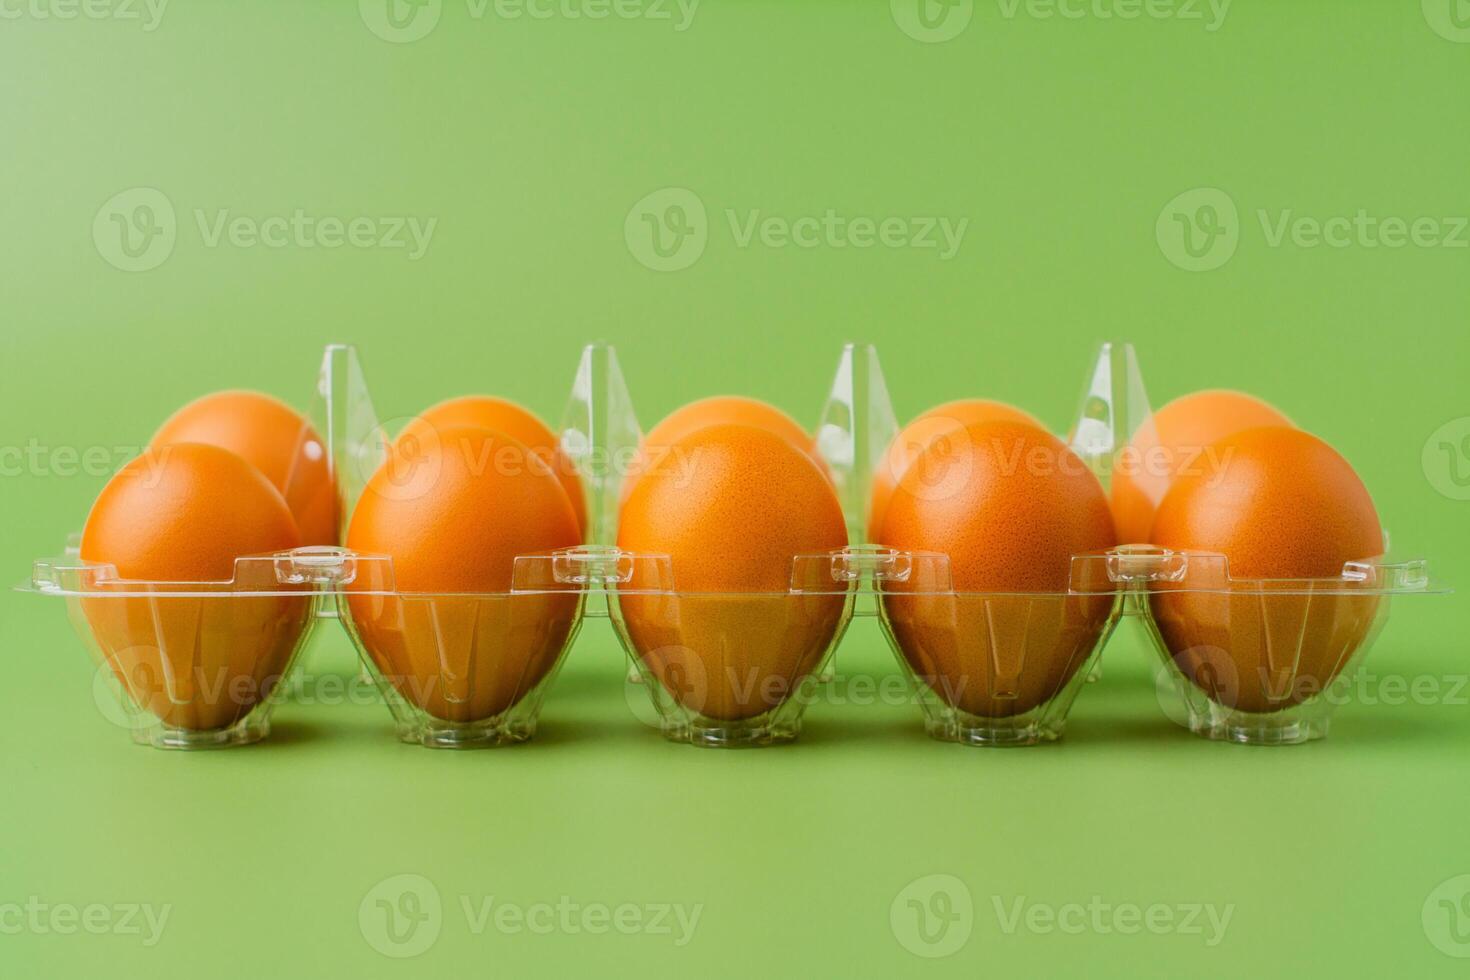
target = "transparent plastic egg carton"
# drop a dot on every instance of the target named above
(195, 664)
(1263, 661)
(733, 668)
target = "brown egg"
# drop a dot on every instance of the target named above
(503, 415)
(275, 439)
(656, 452)
(1010, 505)
(453, 516)
(1283, 505)
(727, 638)
(1174, 443)
(182, 513)
(928, 428)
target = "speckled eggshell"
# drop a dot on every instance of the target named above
(275, 439)
(503, 415)
(1172, 444)
(920, 433)
(182, 513)
(1010, 505)
(730, 640)
(452, 517)
(1284, 505)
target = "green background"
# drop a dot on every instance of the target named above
(529, 140)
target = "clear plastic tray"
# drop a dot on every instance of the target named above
(1259, 661)
(200, 664)
(195, 664)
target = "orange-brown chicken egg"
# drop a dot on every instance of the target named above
(182, 513)
(453, 515)
(930, 427)
(503, 415)
(1010, 505)
(726, 636)
(1174, 443)
(275, 439)
(1282, 505)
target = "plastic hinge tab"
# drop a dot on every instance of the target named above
(592, 565)
(871, 562)
(316, 565)
(1142, 563)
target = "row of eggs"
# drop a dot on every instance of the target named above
(731, 489)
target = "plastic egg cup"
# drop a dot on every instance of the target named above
(464, 670)
(1262, 661)
(997, 669)
(460, 672)
(727, 670)
(196, 665)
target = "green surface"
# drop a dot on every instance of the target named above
(528, 141)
